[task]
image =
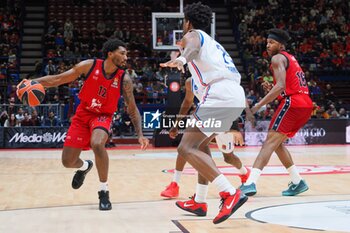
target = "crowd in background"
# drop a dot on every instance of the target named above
(10, 28)
(320, 33)
(320, 41)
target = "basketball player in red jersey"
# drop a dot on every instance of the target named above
(294, 110)
(104, 84)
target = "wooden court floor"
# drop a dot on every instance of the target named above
(36, 194)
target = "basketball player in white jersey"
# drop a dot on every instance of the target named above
(216, 83)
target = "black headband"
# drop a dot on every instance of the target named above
(277, 38)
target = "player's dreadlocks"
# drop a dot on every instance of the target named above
(111, 45)
(199, 15)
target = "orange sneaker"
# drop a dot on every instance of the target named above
(171, 191)
(244, 177)
(229, 204)
(199, 209)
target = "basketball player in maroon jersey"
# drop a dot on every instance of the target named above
(104, 84)
(294, 110)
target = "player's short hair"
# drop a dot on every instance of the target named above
(279, 35)
(199, 15)
(112, 45)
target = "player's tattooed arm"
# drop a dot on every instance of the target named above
(128, 94)
(68, 76)
(192, 45)
(129, 99)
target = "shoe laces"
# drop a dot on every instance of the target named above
(291, 184)
(222, 201)
(104, 195)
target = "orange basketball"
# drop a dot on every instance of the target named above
(31, 93)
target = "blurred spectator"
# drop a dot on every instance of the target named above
(343, 114)
(51, 120)
(3, 117)
(329, 93)
(131, 72)
(20, 115)
(101, 27)
(11, 122)
(50, 68)
(68, 29)
(26, 120)
(35, 118)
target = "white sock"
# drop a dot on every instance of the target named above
(201, 193)
(254, 176)
(104, 186)
(85, 166)
(243, 170)
(177, 176)
(223, 185)
(294, 174)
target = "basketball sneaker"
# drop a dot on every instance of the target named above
(105, 204)
(171, 191)
(199, 209)
(79, 177)
(229, 204)
(295, 189)
(249, 190)
(244, 177)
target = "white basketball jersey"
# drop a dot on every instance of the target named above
(213, 63)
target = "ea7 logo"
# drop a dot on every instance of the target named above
(151, 120)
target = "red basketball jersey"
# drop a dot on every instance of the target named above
(100, 93)
(295, 78)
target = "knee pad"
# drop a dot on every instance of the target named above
(225, 142)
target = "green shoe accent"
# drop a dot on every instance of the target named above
(295, 189)
(249, 190)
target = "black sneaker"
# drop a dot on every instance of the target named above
(105, 204)
(79, 177)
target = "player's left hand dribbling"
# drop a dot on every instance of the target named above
(144, 142)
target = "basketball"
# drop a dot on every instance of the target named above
(31, 93)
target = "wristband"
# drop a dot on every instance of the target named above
(182, 59)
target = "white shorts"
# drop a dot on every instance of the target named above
(222, 103)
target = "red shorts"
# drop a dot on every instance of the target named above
(292, 114)
(83, 123)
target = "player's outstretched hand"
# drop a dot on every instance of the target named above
(174, 64)
(173, 132)
(255, 108)
(238, 137)
(144, 142)
(267, 86)
(249, 116)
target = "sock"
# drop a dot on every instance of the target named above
(104, 186)
(254, 176)
(201, 193)
(243, 170)
(223, 185)
(177, 176)
(294, 174)
(85, 166)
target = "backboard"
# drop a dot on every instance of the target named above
(167, 30)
